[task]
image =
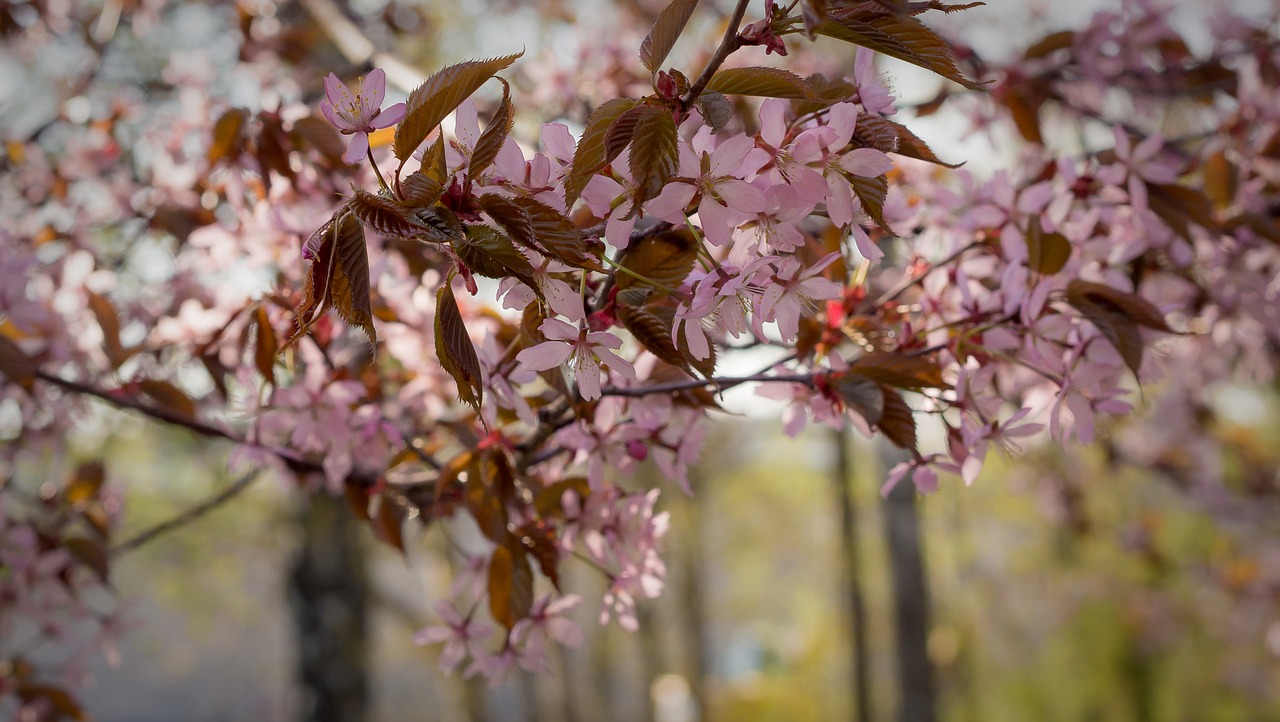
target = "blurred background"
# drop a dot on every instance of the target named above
(1058, 587)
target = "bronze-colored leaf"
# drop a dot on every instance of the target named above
(1117, 315)
(1180, 207)
(358, 500)
(228, 135)
(861, 394)
(1131, 305)
(548, 502)
(420, 190)
(494, 135)
(510, 585)
(1050, 43)
(623, 130)
(319, 134)
(454, 348)
(338, 276)
(91, 554)
(896, 35)
(654, 154)
(105, 313)
(485, 506)
(874, 131)
(897, 423)
(439, 95)
(1047, 253)
(383, 215)
(489, 253)
(871, 194)
(589, 156)
(1220, 179)
(762, 82)
(388, 522)
(537, 225)
(266, 345)
(900, 370)
(539, 540)
(59, 699)
(664, 33)
(85, 483)
(16, 365)
(666, 259)
(168, 397)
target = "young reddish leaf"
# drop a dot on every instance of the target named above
(169, 397)
(539, 540)
(110, 324)
(266, 345)
(439, 95)
(1221, 179)
(900, 370)
(16, 365)
(388, 522)
(338, 277)
(1117, 315)
(85, 483)
(90, 553)
(485, 506)
(537, 225)
(439, 225)
(420, 190)
(589, 156)
(861, 394)
(383, 215)
(874, 131)
(1024, 100)
(654, 154)
(897, 423)
(1180, 207)
(548, 502)
(651, 324)
(666, 259)
(664, 33)
(1050, 43)
(896, 35)
(58, 699)
(434, 165)
(814, 13)
(871, 193)
(320, 135)
(1047, 253)
(358, 499)
(494, 135)
(489, 253)
(273, 148)
(228, 134)
(510, 585)
(761, 82)
(623, 130)
(454, 348)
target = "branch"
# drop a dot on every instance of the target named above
(728, 44)
(902, 287)
(189, 515)
(718, 384)
(357, 48)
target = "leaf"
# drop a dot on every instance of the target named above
(59, 699)
(1047, 253)
(623, 130)
(716, 108)
(317, 133)
(454, 348)
(485, 506)
(228, 134)
(494, 135)
(338, 276)
(536, 225)
(358, 499)
(168, 397)
(654, 154)
(1050, 43)
(85, 483)
(548, 501)
(16, 365)
(1180, 207)
(666, 259)
(897, 423)
(383, 215)
(91, 554)
(896, 35)
(589, 156)
(862, 394)
(1117, 315)
(439, 225)
(762, 82)
(813, 12)
(110, 324)
(510, 585)
(420, 190)
(664, 33)
(874, 131)
(1221, 178)
(539, 540)
(652, 325)
(266, 345)
(900, 370)
(871, 193)
(439, 95)
(489, 253)
(1024, 102)
(388, 522)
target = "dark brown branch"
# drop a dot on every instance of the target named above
(188, 516)
(728, 45)
(718, 384)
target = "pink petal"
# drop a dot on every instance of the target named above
(546, 355)
(374, 88)
(358, 148)
(866, 162)
(727, 159)
(671, 203)
(557, 330)
(390, 116)
(741, 195)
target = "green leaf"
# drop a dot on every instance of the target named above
(664, 33)
(439, 95)
(589, 156)
(510, 585)
(896, 35)
(654, 155)
(1047, 253)
(763, 82)
(488, 252)
(874, 131)
(454, 349)
(338, 276)
(494, 135)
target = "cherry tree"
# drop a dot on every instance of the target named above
(417, 307)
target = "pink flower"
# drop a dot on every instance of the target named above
(360, 114)
(726, 200)
(584, 351)
(459, 634)
(794, 289)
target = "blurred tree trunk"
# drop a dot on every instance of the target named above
(694, 612)
(910, 602)
(329, 597)
(851, 561)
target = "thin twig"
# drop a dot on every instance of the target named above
(728, 44)
(721, 383)
(902, 287)
(189, 515)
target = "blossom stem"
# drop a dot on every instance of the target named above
(381, 181)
